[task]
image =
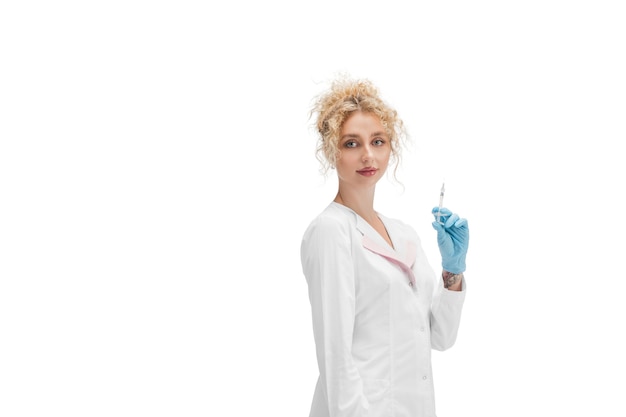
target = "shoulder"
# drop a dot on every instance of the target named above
(400, 226)
(334, 221)
(327, 242)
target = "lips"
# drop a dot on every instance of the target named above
(368, 172)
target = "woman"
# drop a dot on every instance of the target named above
(378, 307)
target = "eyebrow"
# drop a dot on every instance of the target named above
(355, 136)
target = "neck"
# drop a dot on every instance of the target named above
(362, 202)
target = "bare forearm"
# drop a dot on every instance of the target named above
(452, 282)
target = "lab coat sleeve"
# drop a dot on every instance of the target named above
(328, 267)
(445, 315)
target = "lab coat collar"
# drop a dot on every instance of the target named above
(405, 251)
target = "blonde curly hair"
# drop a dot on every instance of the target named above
(333, 107)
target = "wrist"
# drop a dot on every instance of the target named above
(453, 264)
(451, 280)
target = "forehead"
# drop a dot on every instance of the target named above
(360, 123)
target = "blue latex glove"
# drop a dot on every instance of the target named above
(452, 238)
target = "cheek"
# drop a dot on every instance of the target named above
(347, 157)
(341, 163)
(385, 155)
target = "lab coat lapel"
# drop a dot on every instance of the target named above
(404, 255)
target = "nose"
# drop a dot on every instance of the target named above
(367, 153)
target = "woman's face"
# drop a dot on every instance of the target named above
(365, 150)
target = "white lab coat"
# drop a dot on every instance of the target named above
(377, 312)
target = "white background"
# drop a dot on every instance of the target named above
(157, 172)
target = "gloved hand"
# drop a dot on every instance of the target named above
(452, 238)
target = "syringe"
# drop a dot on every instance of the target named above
(443, 189)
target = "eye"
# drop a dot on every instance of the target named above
(379, 142)
(350, 144)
